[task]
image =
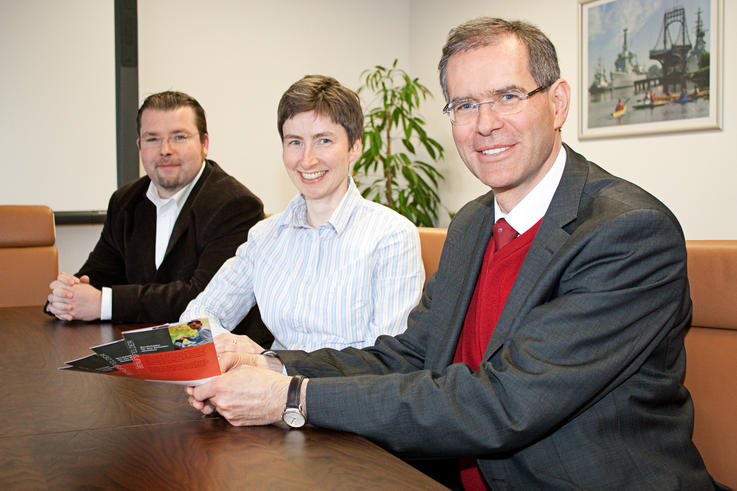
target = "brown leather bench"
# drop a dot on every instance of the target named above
(431, 241)
(711, 346)
(28, 256)
(711, 354)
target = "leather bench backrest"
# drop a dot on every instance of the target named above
(431, 241)
(28, 257)
(711, 354)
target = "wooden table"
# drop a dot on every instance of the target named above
(72, 430)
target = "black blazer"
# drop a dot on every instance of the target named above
(580, 386)
(212, 224)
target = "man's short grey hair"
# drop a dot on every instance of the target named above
(484, 31)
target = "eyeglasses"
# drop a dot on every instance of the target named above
(178, 139)
(464, 111)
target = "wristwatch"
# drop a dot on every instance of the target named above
(293, 415)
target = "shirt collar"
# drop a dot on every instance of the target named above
(179, 198)
(295, 214)
(533, 206)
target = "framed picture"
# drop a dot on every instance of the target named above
(649, 67)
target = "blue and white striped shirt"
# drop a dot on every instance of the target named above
(342, 284)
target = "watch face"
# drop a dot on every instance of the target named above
(293, 418)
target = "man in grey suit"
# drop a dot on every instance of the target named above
(553, 361)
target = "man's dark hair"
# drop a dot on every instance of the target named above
(170, 100)
(484, 31)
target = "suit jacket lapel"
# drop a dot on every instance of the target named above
(143, 234)
(549, 239)
(467, 245)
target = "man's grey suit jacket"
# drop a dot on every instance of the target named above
(580, 387)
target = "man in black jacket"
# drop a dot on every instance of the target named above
(165, 234)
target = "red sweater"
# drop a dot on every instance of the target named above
(498, 272)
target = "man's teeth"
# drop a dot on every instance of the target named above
(494, 151)
(313, 175)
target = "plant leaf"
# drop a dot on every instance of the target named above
(409, 186)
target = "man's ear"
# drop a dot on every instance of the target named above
(138, 143)
(205, 145)
(560, 94)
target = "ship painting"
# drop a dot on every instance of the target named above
(601, 82)
(626, 69)
(679, 60)
(646, 64)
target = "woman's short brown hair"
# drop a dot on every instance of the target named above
(327, 97)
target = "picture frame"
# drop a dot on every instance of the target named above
(649, 67)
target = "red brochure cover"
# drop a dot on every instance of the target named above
(180, 353)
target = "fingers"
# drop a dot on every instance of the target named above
(247, 396)
(204, 406)
(198, 405)
(203, 392)
(63, 285)
(78, 301)
(226, 342)
(67, 279)
(246, 345)
(61, 290)
(58, 303)
(84, 279)
(229, 361)
(59, 308)
(86, 302)
(64, 317)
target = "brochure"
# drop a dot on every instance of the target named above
(116, 355)
(175, 353)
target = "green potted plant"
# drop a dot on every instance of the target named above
(389, 170)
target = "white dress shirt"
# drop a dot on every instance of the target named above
(341, 284)
(167, 211)
(533, 206)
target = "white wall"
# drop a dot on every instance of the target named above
(57, 111)
(57, 103)
(694, 173)
(74, 243)
(237, 58)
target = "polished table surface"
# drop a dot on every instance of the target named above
(63, 429)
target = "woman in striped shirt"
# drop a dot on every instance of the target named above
(333, 269)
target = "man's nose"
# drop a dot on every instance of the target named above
(165, 147)
(488, 119)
